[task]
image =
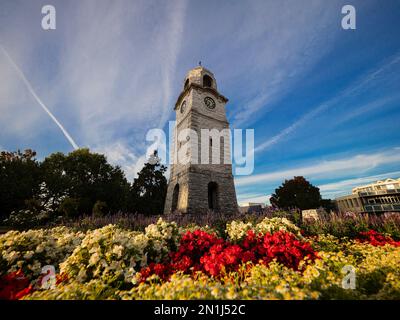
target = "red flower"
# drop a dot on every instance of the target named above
(14, 286)
(201, 251)
(282, 246)
(61, 278)
(376, 238)
(248, 256)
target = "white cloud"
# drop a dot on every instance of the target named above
(293, 127)
(362, 83)
(366, 108)
(38, 100)
(17, 118)
(255, 198)
(286, 49)
(113, 69)
(111, 74)
(119, 153)
(337, 168)
(121, 86)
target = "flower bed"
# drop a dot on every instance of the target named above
(266, 260)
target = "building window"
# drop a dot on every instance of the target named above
(175, 198)
(207, 81)
(213, 196)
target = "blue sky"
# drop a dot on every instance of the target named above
(324, 102)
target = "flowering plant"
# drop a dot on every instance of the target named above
(237, 230)
(30, 250)
(107, 263)
(115, 255)
(192, 246)
(109, 253)
(201, 251)
(376, 238)
(14, 286)
(282, 246)
(162, 237)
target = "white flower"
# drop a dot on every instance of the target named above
(117, 250)
(81, 275)
(28, 254)
(94, 258)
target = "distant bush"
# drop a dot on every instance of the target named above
(25, 219)
(19, 180)
(69, 207)
(100, 209)
(350, 225)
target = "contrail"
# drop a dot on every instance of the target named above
(28, 85)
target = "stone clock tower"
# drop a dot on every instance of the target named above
(201, 174)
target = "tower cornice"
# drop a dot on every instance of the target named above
(195, 112)
(204, 89)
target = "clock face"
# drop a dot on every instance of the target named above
(183, 107)
(210, 103)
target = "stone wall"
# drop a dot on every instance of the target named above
(194, 176)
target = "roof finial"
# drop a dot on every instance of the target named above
(200, 63)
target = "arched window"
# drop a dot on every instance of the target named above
(186, 84)
(213, 196)
(175, 198)
(207, 81)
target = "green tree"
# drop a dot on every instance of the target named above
(100, 209)
(69, 207)
(328, 205)
(149, 188)
(87, 177)
(296, 193)
(19, 180)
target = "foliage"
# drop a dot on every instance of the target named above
(201, 251)
(109, 253)
(19, 180)
(328, 204)
(14, 286)
(95, 289)
(237, 229)
(350, 224)
(115, 255)
(196, 264)
(26, 218)
(296, 193)
(99, 209)
(69, 207)
(149, 188)
(376, 239)
(62, 184)
(85, 177)
(30, 250)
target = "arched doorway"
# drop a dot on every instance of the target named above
(175, 198)
(213, 196)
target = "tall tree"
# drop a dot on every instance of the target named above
(19, 180)
(296, 193)
(149, 188)
(87, 177)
